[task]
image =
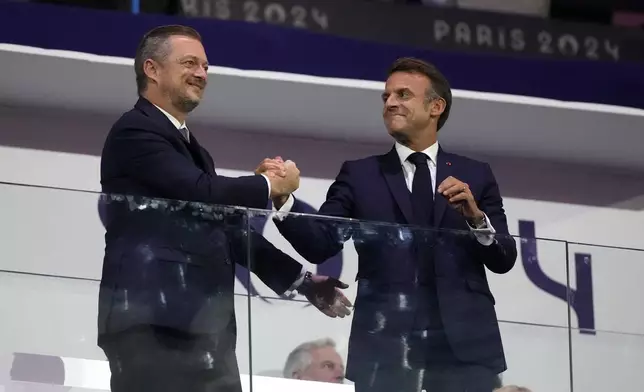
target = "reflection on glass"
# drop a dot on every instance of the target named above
(52, 257)
(423, 315)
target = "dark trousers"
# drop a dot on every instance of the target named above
(455, 378)
(420, 360)
(158, 359)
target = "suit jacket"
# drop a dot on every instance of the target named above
(391, 266)
(171, 263)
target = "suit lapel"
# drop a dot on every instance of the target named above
(392, 171)
(203, 161)
(445, 167)
(197, 153)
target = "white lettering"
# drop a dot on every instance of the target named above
(613, 51)
(299, 16)
(517, 40)
(206, 8)
(190, 7)
(568, 45)
(251, 12)
(592, 45)
(320, 18)
(462, 33)
(545, 42)
(274, 13)
(501, 34)
(222, 9)
(441, 30)
(484, 35)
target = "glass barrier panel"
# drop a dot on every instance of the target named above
(48, 332)
(608, 322)
(532, 305)
(147, 283)
(538, 356)
(423, 314)
(535, 290)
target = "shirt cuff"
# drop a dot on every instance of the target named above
(300, 278)
(268, 184)
(283, 212)
(484, 232)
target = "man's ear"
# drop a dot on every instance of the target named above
(151, 70)
(437, 107)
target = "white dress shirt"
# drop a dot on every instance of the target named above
(484, 234)
(186, 134)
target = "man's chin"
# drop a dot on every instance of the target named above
(189, 104)
(399, 135)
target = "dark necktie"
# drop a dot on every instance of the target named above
(186, 134)
(422, 195)
(194, 148)
(422, 198)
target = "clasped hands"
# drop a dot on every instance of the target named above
(283, 176)
(323, 292)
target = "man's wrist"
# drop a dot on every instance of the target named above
(306, 283)
(478, 220)
(279, 201)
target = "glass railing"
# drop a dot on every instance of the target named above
(162, 285)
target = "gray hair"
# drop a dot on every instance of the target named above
(155, 45)
(300, 358)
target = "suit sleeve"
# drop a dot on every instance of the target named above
(316, 238)
(502, 254)
(151, 158)
(274, 267)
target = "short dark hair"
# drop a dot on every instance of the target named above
(154, 45)
(440, 85)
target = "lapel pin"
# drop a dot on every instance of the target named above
(449, 163)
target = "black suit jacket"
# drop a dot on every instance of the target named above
(171, 263)
(374, 189)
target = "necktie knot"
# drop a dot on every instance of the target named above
(418, 158)
(185, 133)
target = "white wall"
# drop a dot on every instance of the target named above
(59, 233)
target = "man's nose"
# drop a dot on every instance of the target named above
(391, 103)
(202, 73)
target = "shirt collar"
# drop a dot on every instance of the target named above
(404, 152)
(172, 119)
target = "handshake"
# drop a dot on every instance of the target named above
(283, 176)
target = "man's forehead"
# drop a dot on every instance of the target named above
(409, 80)
(183, 45)
(325, 353)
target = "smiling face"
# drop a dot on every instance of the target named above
(410, 108)
(181, 76)
(406, 108)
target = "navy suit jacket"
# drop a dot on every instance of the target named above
(374, 189)
(170, 263)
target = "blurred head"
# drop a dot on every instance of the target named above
(417, 99)
(315, 361)
(171, 65)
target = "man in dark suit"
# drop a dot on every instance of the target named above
(424, 314)
(166, 304)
